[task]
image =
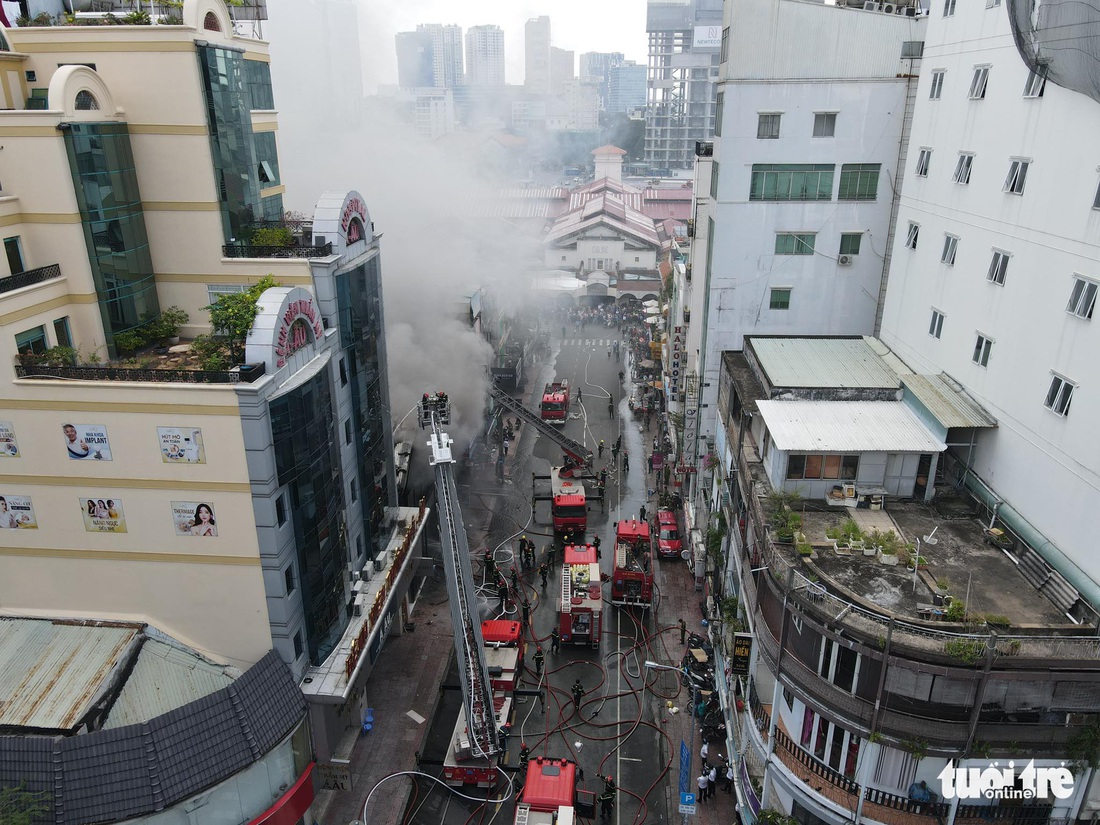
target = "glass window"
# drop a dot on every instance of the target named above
(912, 235)
(794, 244)
(62, 333)
(767, 127)
(948, 8)
(33, 340)
(720, 101)
(982, 347)
(297, 645)
(13, 247)
(1082, 299)
(343, 372)
(979, 83)
(280, 510)
(849, 467)
(936, 89)
(814, 464)
(288, 577)
(714, 181)
(796, 465)
(258, 79)
(780, 299)
(924, 160)
(998, 267)
(1017, 175)
(935, 328)
(850, 243)
(791, 182)
(859, 181)
(1059, 394)
(962, 169)
(267, 158)
(912, 49)
(824, 124)
(950, 249)
(832, 467)
(1035, 86)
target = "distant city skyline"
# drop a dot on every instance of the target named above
(576, 25)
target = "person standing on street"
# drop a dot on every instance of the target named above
(525, 606)
(539, 658)
(641, 513)
(543, 572)
(683, 631)
(610, 407)
(626, 461)
(555, 641)
(712, 781)
(578, 693)
(607, 804)
(599, 449)
(702, 782)
(729, 777)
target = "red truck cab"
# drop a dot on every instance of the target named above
(569, 506)
(555, 402)
(632, 578)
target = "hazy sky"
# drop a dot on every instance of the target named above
(579, 25)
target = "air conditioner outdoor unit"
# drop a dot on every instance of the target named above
(844, 260)
(354, 576)
(888, 8)
(367, 572)
(380, 562)
(357, 606)
(869, 5)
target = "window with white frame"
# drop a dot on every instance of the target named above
(824, 124)
(767, 127)
(215, 291)
(979, 83)
(950, 248)
(911, 237)
(780, 298)
(998, 267)
(935, 327)
(1082, 300)
(982, 347)
(962, 169)
(937, 84)
(948, 8)
(792, 243)
(1059, 394)
(1017, 175)
(924, 160)
(1035, 86)
(850, 242)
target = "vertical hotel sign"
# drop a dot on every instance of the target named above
(287, 322)
(678, 362)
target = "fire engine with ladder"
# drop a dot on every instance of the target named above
(568, 495)
(632, 578)
(472, 754)
(580, 611)
(555, 402)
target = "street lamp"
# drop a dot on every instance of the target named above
(694, 705)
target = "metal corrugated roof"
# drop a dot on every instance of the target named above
(164, 679)
(51, 670)
(847, 427)
(823, 362)
(947, 401)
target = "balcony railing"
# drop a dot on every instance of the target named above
(245, 375)
(30, 277)
(238, 250)
(879, 803)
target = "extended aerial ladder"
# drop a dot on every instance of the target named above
(576, 454)
(434, 411)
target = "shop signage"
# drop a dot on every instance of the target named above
(287, 322)
(353, 218)
(334, 776)
(707, 37)
(298, 320)
(742, 653)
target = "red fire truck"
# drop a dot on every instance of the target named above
(504, 648)
(581, 608)
(568, 505)
(549, 796)
(555, 402)
(463, 765)
(632, 579)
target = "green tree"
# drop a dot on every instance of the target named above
(18, 806)
(233, 315)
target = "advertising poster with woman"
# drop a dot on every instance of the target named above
(194, 518)
(86, 441)
(9, 447)
(103, 515)
(16, 512)
(181, 445)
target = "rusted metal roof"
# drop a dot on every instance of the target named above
(947, 401)
(51, 671)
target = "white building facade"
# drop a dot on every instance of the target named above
(808, 144)
(995, 273)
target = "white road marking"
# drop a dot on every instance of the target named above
(416, 717)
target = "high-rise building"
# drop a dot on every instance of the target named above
(446, 54)
(596, 67)
(626, 88)
(485, 56)
(235, 491)
(536, 55)
(684, 42)
(993, 274)
(562, 69)
(415, 60)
